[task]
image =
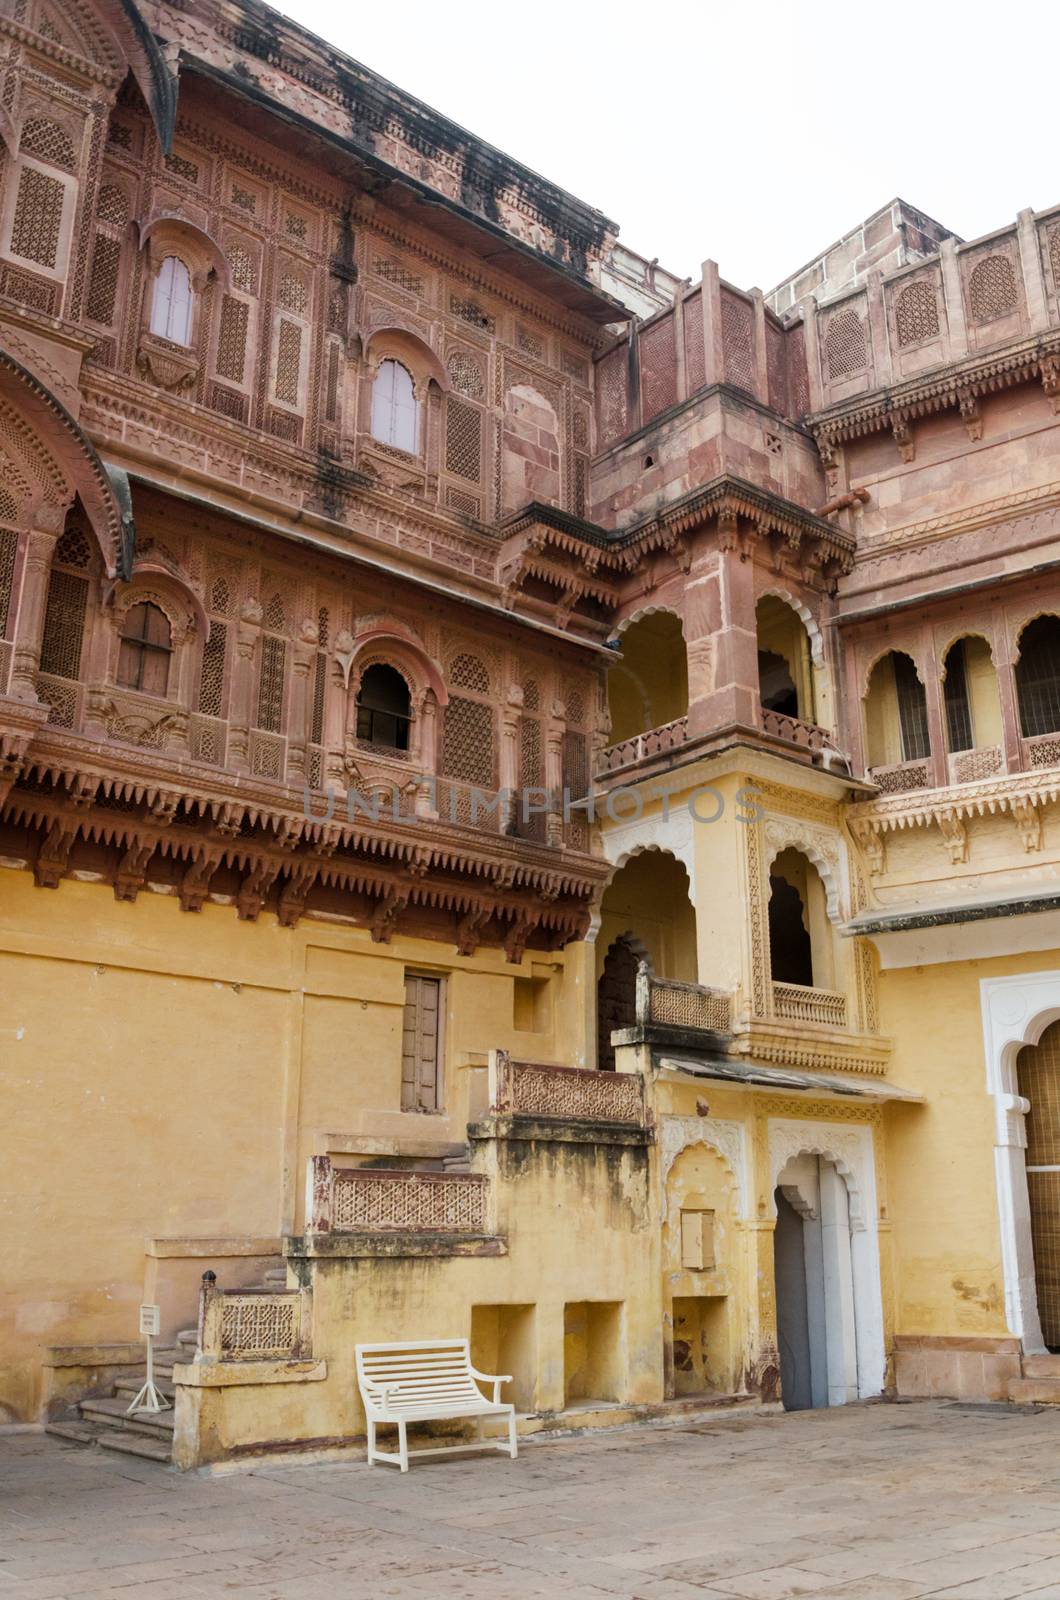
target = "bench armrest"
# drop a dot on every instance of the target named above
(492, 1377)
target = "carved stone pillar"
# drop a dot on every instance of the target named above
(242, 692)
(511, 714)
(554, 777)
(426, 756)
(29, 612)
(936, 719)
(1011, 740)
(304, 654)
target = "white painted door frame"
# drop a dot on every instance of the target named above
(1016, 1011)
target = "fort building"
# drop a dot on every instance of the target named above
(528, 786)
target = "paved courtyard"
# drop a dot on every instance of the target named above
(865, 1503)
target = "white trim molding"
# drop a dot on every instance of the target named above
(850, 1148)
(671, 834)
(1016, 1011)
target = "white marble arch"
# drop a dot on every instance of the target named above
(727, 1139)
(1016, 1011)
(850, 1148)
(671, 835)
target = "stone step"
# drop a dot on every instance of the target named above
(136, 1444)
(115, 1412)
(1041, 1366)
(1043, 1391)
(131, 1386)
(76, 1432)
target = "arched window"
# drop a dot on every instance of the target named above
(395, 413)
(1038, 677)
(648, 687)
(969, 690)
(143, 661)
(801, 948)
(896, 713)
(384, 708)
(171, 305)
(785, 671)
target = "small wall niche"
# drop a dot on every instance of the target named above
(702, 1357)
(504, 1339)
(532, 1005)
(592, 1351)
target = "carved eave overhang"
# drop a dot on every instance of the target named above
(132, 47)
(396, 149)
(540, 537)
(149, 809)
(958, 385)
(1021, 797)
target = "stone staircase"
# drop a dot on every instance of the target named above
(1040, 1383)
(102, 1421)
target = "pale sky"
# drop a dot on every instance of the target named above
(754, 133)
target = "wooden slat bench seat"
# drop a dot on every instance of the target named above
(427, 1380)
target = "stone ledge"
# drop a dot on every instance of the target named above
(187, 1248)
(545, 1130)
(988, 1344)
(127, 1354)
(357, 1246)
(238, 1374)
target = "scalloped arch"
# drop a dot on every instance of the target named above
(778, 839)
(391, 645)
(1016, 635)
(890, 650)
(805, 616)
(955, 638)
(647, 611)
(56, 453)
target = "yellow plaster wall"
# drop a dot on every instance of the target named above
(165, 1075)
(940, 1157)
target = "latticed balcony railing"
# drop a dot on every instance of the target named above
(252, 1324)
(807, 735)
(656, 741)
(667, 1003)
(967, 766)
(795, 1002)
(902, 777)
(564, 1094)
(375, 1200)
(1041, 751)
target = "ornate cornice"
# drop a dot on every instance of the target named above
(937, 390)
(1019, 795)
(144, 805)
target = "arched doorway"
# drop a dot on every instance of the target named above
(616, 994)
(814, 1279)
(1038, 1077)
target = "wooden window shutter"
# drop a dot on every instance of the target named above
(420, 1042)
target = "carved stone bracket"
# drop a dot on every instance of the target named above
(903, 436)
(971, 415)
(955, 834)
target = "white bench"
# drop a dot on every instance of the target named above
(427, 1380)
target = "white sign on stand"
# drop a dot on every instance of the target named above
(149, 1398)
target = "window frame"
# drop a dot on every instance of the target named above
(167, 332)
(418, 975)
(144, 648)
(386, 410)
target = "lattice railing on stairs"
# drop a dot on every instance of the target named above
(252, 1324)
